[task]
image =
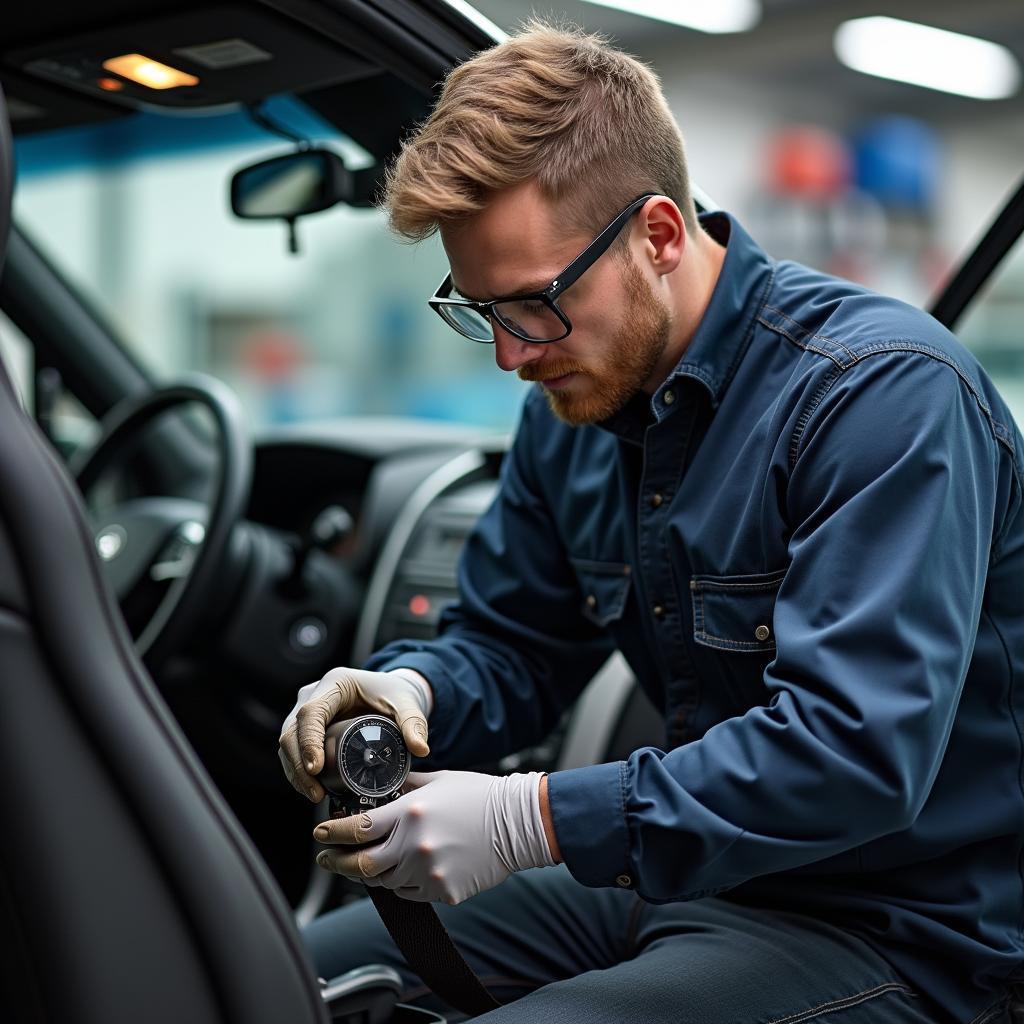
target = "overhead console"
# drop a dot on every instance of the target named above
(205, 58)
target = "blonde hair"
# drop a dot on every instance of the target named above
(589, 123)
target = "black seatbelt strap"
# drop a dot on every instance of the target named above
(425, 943)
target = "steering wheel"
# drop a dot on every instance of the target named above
(179, 540)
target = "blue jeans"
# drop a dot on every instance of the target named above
(552, 950)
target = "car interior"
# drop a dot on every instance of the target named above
(167, 587)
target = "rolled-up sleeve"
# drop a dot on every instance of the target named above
(890, 502)
(514, 650)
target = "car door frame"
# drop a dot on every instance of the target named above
(987, 256)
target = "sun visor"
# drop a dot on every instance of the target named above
(205, 58)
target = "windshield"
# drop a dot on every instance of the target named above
(135, 214)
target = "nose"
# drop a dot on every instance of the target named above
(511, 352)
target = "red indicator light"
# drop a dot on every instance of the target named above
(110, 84)
(419, 605)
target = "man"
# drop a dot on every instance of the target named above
(794, 506)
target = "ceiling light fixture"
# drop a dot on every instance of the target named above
(705, 16)
(148, 72)
(905, 51)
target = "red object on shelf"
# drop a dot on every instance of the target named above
(808, 161)
(272, 353)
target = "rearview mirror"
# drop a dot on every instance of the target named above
(290, 186)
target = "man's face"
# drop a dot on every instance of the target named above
(620, 329)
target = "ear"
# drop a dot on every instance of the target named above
(664, 233)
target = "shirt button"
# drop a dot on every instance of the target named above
(656, 500)
(762, 632)
(591, 602)
(624, 880)
(658, 611)
(669, 397)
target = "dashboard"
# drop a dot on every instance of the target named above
(415, 493)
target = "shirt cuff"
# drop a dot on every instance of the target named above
(588, 811)
(430, 667)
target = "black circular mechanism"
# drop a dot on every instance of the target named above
(366, 763)
(373, 759)
(183, 542)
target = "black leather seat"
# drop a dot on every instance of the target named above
(128, 891)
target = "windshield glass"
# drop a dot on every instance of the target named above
(135, 214)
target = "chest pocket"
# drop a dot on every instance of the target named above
(735, 613)
(605, 587)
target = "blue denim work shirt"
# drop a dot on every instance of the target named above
(809, 546)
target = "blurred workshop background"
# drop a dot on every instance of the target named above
(793, 120)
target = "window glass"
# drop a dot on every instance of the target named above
(136, 214)
(16, 359)
(71, 425)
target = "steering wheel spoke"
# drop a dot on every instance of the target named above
(138, 536)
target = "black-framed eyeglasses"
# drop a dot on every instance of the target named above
(535, 316)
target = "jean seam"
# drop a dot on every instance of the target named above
(990, 1011)
(842, 1004)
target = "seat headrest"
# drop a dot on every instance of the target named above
(6, 177)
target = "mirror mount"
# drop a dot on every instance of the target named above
(267, 123)
(305, 181)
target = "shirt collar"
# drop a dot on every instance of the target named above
(721, 338)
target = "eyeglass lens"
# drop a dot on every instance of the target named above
(468, 322)
(530, 319)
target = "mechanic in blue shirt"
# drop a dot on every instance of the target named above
(794, 506)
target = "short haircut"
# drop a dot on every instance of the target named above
(588, 122)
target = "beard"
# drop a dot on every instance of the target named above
(604, 386)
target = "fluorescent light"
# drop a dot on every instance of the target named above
(929, 57)
(703, 15)
(481, 22)
(148, 72)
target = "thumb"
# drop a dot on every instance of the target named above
(410, 720)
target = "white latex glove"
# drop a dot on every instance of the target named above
(450, 836)
(402, 694)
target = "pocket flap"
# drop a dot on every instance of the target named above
(735, 613)
(605, 587)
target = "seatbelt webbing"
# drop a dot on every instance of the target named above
(425, 943)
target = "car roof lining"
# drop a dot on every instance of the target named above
(371, 96)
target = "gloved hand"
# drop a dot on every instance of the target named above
(344, 692)
(450, 836)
